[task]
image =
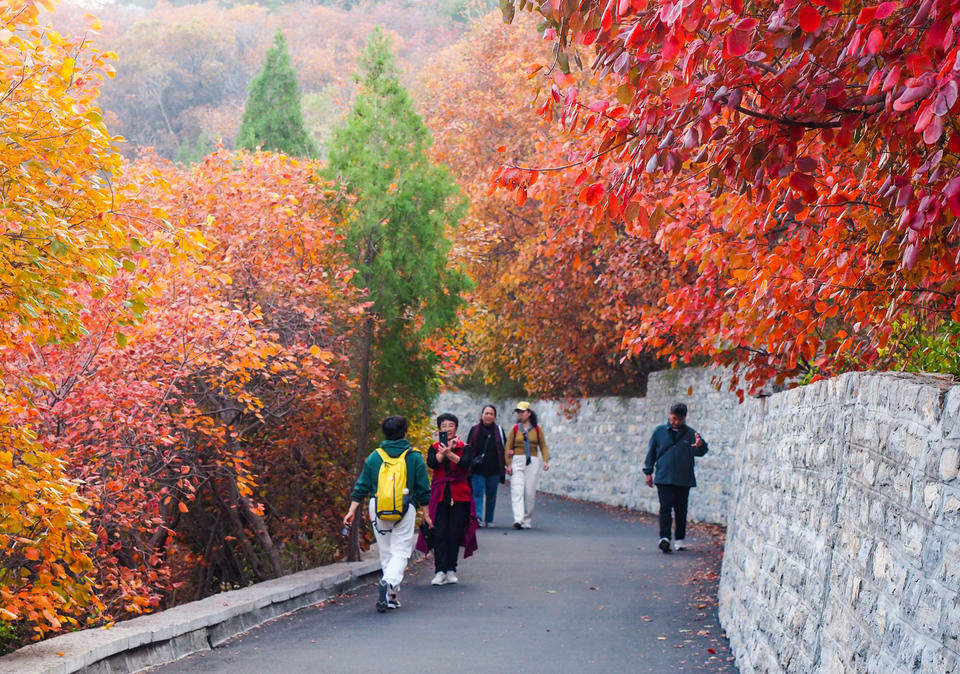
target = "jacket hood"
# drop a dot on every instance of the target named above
(395, 448)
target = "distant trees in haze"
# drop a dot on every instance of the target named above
(186, 69)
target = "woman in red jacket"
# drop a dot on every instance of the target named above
(451, 502)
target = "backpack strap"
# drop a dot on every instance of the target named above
(386, 457)
(683, 437)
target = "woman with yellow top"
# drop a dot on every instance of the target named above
(526, 454)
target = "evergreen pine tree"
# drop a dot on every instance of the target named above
(272, 116)
(404, 206)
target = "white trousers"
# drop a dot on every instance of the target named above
(523, 487)
(395, 544)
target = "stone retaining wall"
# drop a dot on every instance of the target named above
(843, 544)
(841, 498)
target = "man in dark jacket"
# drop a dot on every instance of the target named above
(673, 447)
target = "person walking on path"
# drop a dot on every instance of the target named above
(673, 447)
(526, 454)
(452, 508)
(486, 441)
(394, 538)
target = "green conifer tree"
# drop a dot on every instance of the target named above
(272, 117)
(397, 232)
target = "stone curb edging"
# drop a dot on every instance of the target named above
(169, 635)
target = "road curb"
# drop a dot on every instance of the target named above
(158, 638)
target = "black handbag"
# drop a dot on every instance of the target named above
(427, 532)
(478, 459)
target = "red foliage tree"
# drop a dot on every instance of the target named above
(795, 161)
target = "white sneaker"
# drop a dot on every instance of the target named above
(679, 545)
(393, 596)
(452, 577)
(439, 578)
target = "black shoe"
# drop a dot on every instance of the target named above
(382, 596)
(517, 525)
(665, 545)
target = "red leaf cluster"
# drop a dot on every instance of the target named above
(804, 160)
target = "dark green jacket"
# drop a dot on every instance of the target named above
(672, 453)
(417, 481)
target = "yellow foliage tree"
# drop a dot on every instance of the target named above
(59, 225)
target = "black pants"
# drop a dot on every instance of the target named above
(673, 503)
(448, 530)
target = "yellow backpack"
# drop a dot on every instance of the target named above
(392, 494)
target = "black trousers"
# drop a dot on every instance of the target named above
(448, 530)
(673, 504)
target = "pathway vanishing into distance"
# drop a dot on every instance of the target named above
(586, 590)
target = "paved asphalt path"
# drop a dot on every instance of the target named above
(585, 590)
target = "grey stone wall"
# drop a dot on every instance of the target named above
(597, 454)
(841, 498)
(843, 540)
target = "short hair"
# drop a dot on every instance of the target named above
(679, 409)
(394, 427)
(484, 409)
(446, 416)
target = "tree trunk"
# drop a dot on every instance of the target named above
(232, 508)
(170, 518)
(363, 428)
(262, 535)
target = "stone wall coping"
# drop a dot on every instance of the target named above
(75, 651)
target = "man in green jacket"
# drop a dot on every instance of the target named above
(673, 447)
(394, 538)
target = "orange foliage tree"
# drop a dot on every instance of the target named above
(795, 161)
(206, 433)
(174, 388)
(551, 302)
(57, 228)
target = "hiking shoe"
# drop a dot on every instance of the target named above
(679, 545)
(452, 577)
(382, 596)
(664, 545)
(393, 597)
(439, 578)
(517, 525)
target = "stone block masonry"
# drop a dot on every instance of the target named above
(841, 498)
(843, 540)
